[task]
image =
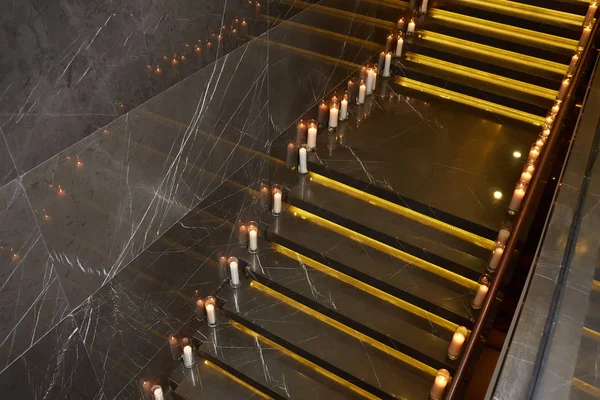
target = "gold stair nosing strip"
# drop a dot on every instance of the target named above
(304, 361)
(596, 285)
(403, 211)
(237, 380)
(591, 334)
(384, 248)
(471, 101)
(491, 27)
(398, 4)
(347, 330)
(586, 387)
(494, 52)
(482, 76)
(373, 291)
(533, 12)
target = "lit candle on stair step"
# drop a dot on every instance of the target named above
(362, 92)
(555, 108)
(157, 393)
(370, 80)
(388, 64)
(188, 357)
(589, 16)
(439, 385)
(534, 153)
(515, 202)
(573, 64)
(302, 162)
(563, 89)
(252, 237)
(322, 115)
(234, 272)
(526, 177)
(334, 114)
(211, 313)
(291, 159)
(585, 36)
(411, 28)
(344, 108)
(175, 349)
(423, 8)
(381, 61)
(400, 25)
(458, 339)
(388, 42)
(503, 235)
(481, 293)
(496, 256)
(244, 28)
(311, 142)
(301, 130)
(351, 90)
(277, 197)
(399, 46)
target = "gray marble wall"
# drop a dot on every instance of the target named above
(105, 144)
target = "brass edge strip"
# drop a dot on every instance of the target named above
(347, 330)
(237, 380)
(403, 211)
(471, 101)
(384, 248)
(586, 387)
(591, 334)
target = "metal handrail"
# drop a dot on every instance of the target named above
(528, 207)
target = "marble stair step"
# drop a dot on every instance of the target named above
(268, 367)
(524, 41)
(400, 274)
(592, 319)
(475, 84)
(206, 381)
(506, 58)
(408, 231)
(587, 359)
(389, 320)
(370, 365)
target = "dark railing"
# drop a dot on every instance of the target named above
(528, 208)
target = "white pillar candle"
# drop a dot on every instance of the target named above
(517, 198)
(370, 80)
(333, 116)
(277, 203)
(211, 316)
(496, 256)
(158, 393)
(526, 177)
(503, 236)
(534, 153)
(188, 357)
(555, 108)
(375, 72)
(411, 27)
(344, 110)
(388, 64)
(455, 345)
(399, 46)
(362, 92)
(388, 42)
(585, 36)
(480, 296)
(439, 385)
(573, 64)
(563, 89)
(311, 143)
(302, 161)
(234, 273)
(253, 240)
(423, 6)
(590, 13)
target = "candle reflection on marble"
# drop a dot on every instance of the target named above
(252, 237)
(322, 115)
(439, 385)
(311, 141)
(302, 162)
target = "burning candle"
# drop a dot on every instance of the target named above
(534, 153)
(234, 272)
(311, 142)
(458, 339)
(362, 91)
(550, 120)
(399, 46)
(585, 36)
(546, 132)
(322, 116)
(381, 61)
(158, 393)
(292, 152)
(400, 25)
(344, 108)
(540, 142)
(482, 290)
(351, 88)
(211, 316)
(411, 28)
(370, 80)
(242, 233)
(388, 42)
(388, 64)
(188, 357)
(252, 237)
(277, 196)
(496, 256)
(439, 385)
(515, 202)
(301, 130)
(200, 308)
(333, 117)
(526, 177)
(375, 72)
(244, 28)
(264, 195)
(303, 169)
(573, 64)
(363, 73)
(257, 10)
(503, 236)
(591, 12)
(423, 8)
(555, 108)
(175, 349)
(529, 167)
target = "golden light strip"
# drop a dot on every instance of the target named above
(471, 101)
(304, 361)
(338, 36)
(392, 251)
(596, 285)
(526, 10)
(347, 330)
(494, 52)
(586, 387)
(237, 380)
(400, 5)
(483, 76)
(403, 211)
(591, 334)
(411, 308)
(490, 27)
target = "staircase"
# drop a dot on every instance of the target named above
(360, 284)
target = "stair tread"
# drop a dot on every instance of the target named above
(435, 293)
(415, 335)
(269, 366)
(429, 243)
(585, 367)
(325, 345)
